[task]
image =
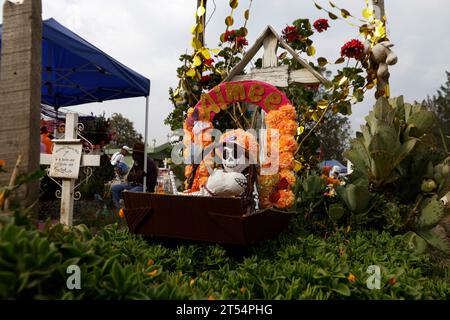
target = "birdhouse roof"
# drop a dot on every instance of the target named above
(312, 77)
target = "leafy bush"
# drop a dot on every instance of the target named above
(118, 265)
(398, 180)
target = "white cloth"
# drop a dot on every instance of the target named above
(116, 158)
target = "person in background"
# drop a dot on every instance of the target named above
(120, 155)
(135, 179)
(46, 142)
(61, 130)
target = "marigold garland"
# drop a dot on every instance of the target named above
(276, 190)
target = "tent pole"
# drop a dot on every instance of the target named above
(145, 144)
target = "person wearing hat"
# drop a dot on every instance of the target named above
(120, 155)
(135, 178)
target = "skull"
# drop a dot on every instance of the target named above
(234, 158)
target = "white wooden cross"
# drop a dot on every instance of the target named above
(65, 163)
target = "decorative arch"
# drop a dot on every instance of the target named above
(262, 94)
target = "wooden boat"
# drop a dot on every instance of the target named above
(213, 219)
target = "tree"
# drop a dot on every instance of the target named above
(124, 131)
(440, 105)
(334, 136)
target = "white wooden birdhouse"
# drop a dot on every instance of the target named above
(279, 76)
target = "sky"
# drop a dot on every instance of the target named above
(149, 36)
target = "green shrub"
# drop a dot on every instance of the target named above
(118, 265)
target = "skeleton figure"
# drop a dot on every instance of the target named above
(226, 184)
(236, 156)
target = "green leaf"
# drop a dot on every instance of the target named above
(336, 211)
(322, 61)
(435, 240)
(332, 16)
(345, 14)
(117, 275)
(431, 213)
(340, 60)
(342, 289)
(234, 4)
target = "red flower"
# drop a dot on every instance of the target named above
(229, 35)
(290, 33)
(321, 25)
(205, 79)
(241, 41)
(283, 184)
(208, 62)
(353, 49)
(274, 196)
(392, 281)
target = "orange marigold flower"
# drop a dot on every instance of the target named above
(121, 213)
(289, 176)
(188, 171)
(288, 112)
(351, 278)
(211, 297)
(392, 281)
(286, 161)
(150, 262)
(202, 170)
(242, 138)
(286, 199)
(273, 119)
(288, 143)
(288, 127)
(2, 163)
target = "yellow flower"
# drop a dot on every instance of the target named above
(152, 273)
(211, 297)
(192, 282)
(242, 290)
(351, 278)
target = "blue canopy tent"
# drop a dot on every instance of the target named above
(75, 72)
